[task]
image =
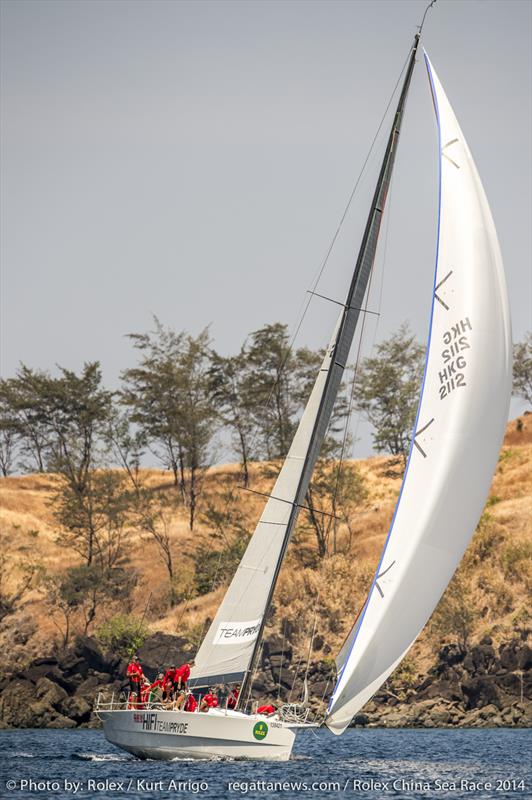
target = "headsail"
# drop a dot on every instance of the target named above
(226, 651)
(457, 436)
(230, 646)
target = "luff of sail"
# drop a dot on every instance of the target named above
(457, 436)
(230, 645)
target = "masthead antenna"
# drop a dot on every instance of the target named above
(420, 27)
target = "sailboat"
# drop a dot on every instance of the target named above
(458, 432)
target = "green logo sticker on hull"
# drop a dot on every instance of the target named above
(260, 730)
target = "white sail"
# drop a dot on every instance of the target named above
(226, 651)
(458, 433)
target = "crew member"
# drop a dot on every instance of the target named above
(144, 691)
(182, 675)
(156, 689)
(180, 698)
(209, 700)
(135, 675)
(168, 683)
(191, 703)
(233, 697)
(267, 710)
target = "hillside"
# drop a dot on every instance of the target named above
(489, 597)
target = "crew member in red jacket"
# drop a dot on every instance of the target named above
(266, 709)
(135, 676)
(182, 675)
(156, 689)
(144, 692)
(168, 683)
(191, 703)
(233, 697)
(209, 700)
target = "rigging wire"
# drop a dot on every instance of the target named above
(360, 344)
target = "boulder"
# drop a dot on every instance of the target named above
(449, 655)
(161, 651)
(15, 704)
(72, 664)
(277, 646)
(48, 692)
(515, 655)
(480, 692)
(480, 660)
(89, 651)
(440, 716)
(60, 721)
(76, 709)
(277, 661)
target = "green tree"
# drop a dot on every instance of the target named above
(9, 435)
(217, 560)
(336, 490)
(123, 634)
(94, 523)
(230, 385)
(168, 398)
(387, 389)
(21, 417)
(522, 375)
(16, 581)
(456, 614)
(80, 591)
(278, 385)
(156, 514)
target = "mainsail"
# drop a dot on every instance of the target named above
(457, 436)
(230, 646)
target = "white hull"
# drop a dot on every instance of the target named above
(216, 734)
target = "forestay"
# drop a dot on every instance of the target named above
(458, 432)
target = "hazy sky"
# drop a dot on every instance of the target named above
(192, 160)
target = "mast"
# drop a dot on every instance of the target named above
(342, 346)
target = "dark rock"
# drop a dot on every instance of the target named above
(480, 660)
(89, 650)
(277, 646)
(449, 655)
(15, 704)
(48, 692)
(71, 664)
(318, 642)
(88, 686)
(480, 692)
(59, 721)
(161, 651)
(283, 678)
(361, 719)
(75, 708)
(48, 661)
(278, 661)
(515, 655)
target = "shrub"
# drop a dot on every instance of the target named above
(122, 634)
(516, 560)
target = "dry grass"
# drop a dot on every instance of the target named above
(496, 563)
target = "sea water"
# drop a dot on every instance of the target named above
(360, 765)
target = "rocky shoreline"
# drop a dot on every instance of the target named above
(485, 687)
